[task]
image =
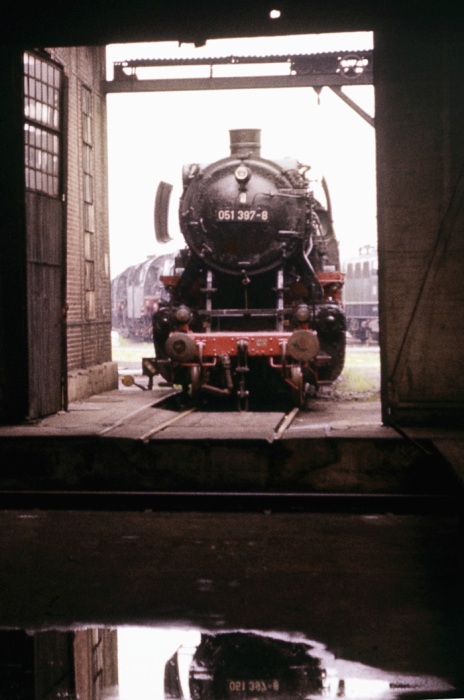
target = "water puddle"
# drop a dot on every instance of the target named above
(138, 663)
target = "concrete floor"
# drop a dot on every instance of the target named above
(380, 587)
(381, 590)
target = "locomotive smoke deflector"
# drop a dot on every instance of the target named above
(162, 198)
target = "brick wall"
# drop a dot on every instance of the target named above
(88, 336)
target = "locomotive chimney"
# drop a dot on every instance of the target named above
(245, 142)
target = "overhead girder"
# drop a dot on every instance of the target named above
(304, 70)
(333, 70)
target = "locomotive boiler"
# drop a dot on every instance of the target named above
(255, 297)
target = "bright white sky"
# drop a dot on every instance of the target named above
(152, 135)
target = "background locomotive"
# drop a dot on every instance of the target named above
(360, 295)
(136, 294)
(255, 298)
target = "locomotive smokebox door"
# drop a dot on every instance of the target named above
(244, 212)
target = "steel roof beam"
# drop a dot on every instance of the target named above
(305, 70)
(351, 103)
(238, 83)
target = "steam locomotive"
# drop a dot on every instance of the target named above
(242, 665)
(360, 297)
(255, 297)
(136, 294)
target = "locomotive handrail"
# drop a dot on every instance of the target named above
(240, 312)
(291, 234)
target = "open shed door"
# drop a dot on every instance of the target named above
(46, 254)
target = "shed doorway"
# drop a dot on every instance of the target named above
(153, 131)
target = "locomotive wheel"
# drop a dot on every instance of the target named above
(195, 381)
(333, 345)
(243, 403)
(242, 395)
(298, 386)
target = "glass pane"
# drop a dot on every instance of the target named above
(41, 104)
(90, 304)
(89, 246)
(87, 158)
(41, 154)
(88, 194)
(89, 275)
(87, 129)
(89, 217)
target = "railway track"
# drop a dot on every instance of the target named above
(163, 420)
(233, 502)
(244, 437)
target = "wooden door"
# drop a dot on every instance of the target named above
(46, 252)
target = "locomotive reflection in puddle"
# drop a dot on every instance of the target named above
(252, 666)
(245, 665)
(131, 663)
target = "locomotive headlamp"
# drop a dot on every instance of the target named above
(302, 313)
(242, 174)
(183, 315)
